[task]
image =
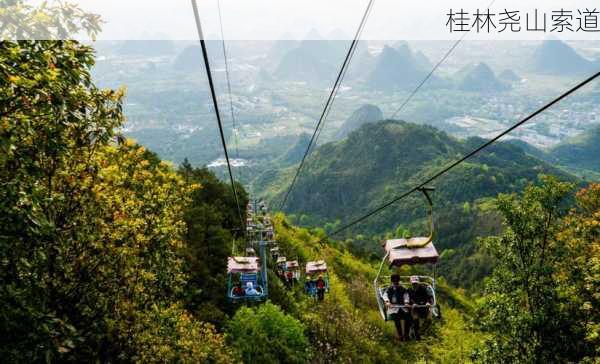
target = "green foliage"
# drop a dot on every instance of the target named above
(533, 313)
(382, 160)
(346, 327)
(579, 274)
(267, 335)
(581, 151)
(50, 20)
(91, 226)
(211, 217)
(171, 335)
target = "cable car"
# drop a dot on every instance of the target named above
(270, 234)
(292, 271)
(281, 261)
(319, 269)
(274, 253)
(244, 281)
(262, 207)
(412, 251)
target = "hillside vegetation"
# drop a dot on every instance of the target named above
(382, 160)
(110, 255)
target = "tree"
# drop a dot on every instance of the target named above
(267, 335)
(525, 307)
(579, 274)
(91, 225)
(212, 223)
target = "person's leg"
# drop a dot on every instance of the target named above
(399, 326)
(416, 326)
(415, 322)
(408, 322)
(404, 330)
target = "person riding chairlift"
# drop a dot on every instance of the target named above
(238, 291)
(320, 288)
(421, 296)
(289, 275)
(250, 290)
(398, 295)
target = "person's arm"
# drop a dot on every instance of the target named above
(429, 295)
(386, 298)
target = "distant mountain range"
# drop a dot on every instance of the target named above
(479, 78)
(509, 76)
(398, 68)
(190, 58)
(303, 63)
(313, 59)
(365, 114)
(558, 58)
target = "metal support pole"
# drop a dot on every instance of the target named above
(263, 263)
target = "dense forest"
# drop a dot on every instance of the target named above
(109, 254)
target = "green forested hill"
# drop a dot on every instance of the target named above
(110, 255)
(580, 152)
(378, 161)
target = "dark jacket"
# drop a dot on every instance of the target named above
(396, 294)
(420, 295)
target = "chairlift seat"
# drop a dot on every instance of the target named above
(249, 277)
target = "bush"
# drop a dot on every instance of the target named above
(267, 335)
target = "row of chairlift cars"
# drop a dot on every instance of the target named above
(247, 278)
(250, 271)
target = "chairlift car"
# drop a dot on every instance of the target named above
(246, 270)
(315, 268)
(270, 235)
(412, 251)
(274, 253)
(293, 267)
(281, 261)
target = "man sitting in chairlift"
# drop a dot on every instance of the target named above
(320, 288)
(309, 285)
(422, 299)
(398, 295)
(250, 290)
(289, 277)
(238, 291)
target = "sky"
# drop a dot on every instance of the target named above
(294, 19)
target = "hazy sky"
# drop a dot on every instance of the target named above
(276, 19)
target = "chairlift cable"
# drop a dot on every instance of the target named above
(216, 105)
(466, 156)
(359, 33)
(329, 99)
(437, 65)
(226, 61)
